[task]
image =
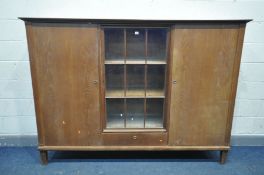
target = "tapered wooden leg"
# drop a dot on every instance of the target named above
(223, 155)
(44, 157)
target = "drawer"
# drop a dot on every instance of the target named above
(135, 139)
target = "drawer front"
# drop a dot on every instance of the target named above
(135, 139)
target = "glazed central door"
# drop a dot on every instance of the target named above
(135, 66)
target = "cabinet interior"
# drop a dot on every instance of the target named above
(135, 63)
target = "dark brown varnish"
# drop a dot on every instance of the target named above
(67, 61)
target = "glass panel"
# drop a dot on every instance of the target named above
(135, 44)
(114, 44)
(154, 118)
(135, 80)
(114, 80)
(115, 113)
(135, 113)
(157, 45)
(155, 80)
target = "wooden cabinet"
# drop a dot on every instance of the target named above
(134, 85)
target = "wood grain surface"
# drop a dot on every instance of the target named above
(65, 75)
(203, 61)
(67, 61)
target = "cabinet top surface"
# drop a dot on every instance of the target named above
(128, 21)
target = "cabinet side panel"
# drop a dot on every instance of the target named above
(203, 58)
(235, 81)
(64, 60)
(33, 70)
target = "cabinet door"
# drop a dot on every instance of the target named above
(135, 66)
(204, 74)
(64, 66)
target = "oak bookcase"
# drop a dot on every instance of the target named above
(134, 84)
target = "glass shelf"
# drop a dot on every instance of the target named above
(135, 66)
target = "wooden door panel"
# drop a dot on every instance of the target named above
(65, 75)
(203, 57)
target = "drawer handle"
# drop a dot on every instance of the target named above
(95, 81)
(174, 81)
(135, 137)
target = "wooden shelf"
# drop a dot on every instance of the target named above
(136, 61)
(156, 62)
(114, 62)
(134, 94)
(114, 93)
(119, 123)
(155, 93)
(126, 130)
(149, 62)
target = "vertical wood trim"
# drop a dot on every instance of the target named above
(146, 45)
(235, 74)
(145, 77)
(169, 80)
(125, 77)
(101, 66)
(33, 70)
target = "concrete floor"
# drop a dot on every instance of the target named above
(25, 160)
